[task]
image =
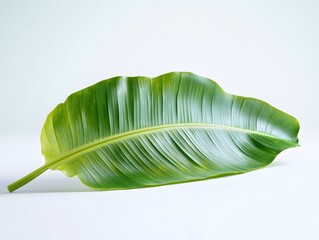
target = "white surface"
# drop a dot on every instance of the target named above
(264, 49)
(277, 202)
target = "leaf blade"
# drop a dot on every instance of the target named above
(180, 106)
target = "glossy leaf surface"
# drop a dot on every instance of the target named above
(134, 132)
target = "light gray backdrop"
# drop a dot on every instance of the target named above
(263, 49)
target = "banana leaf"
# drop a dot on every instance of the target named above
(136, 132)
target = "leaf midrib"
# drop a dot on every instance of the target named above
(141, 131)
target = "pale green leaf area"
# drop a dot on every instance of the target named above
(136, 132)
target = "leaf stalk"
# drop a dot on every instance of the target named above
(28, 178)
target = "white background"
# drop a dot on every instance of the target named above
(263, 49)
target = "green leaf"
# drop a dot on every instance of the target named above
(135, 132)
